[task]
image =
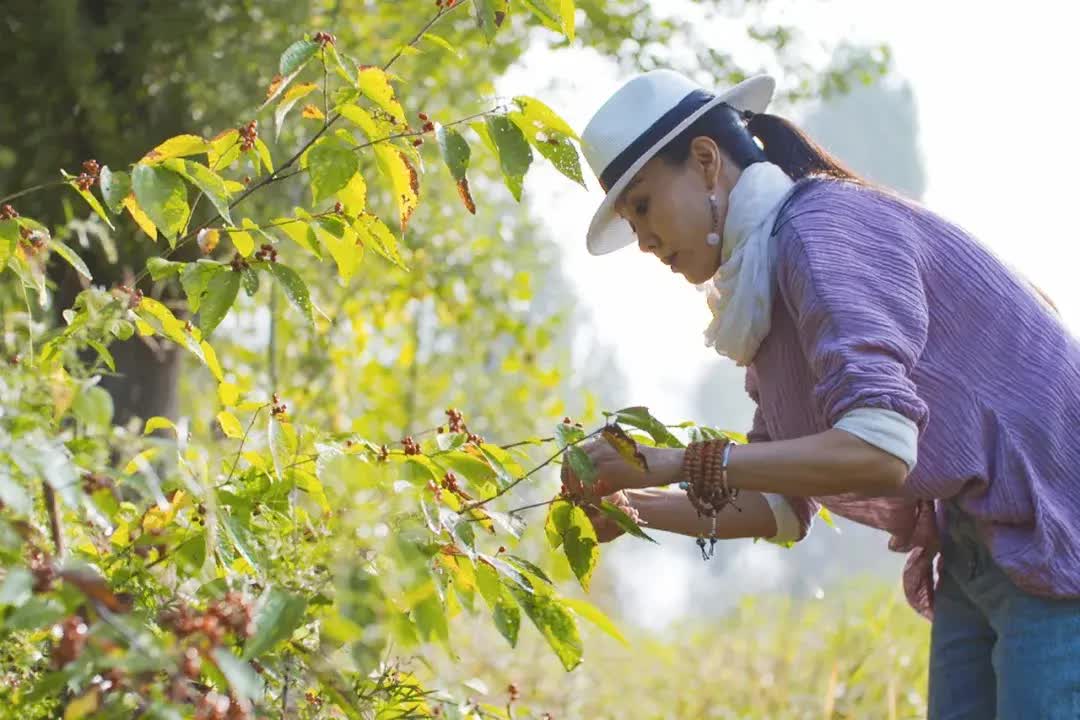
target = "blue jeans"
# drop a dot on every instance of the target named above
(996, 651)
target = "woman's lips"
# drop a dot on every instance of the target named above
(672, 259)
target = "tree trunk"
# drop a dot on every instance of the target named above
(146, 379)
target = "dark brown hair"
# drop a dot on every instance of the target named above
(781, 143)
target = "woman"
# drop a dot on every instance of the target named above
(904, 377)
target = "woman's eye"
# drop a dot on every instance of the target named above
(641, 207)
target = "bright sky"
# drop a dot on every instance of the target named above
(995, 87)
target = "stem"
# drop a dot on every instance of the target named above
(29, 324)
(530, 507)
(35, 188)
(239, 450)
(56, 526)
(527, 442)
(526, 476)
(276, 175)
(271, 346)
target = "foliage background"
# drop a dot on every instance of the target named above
(482, 321)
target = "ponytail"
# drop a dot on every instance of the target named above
(793, 150)
(749, 137)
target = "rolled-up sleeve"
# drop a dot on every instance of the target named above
(802, 509)
(856, 294)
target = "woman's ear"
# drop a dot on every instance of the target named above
(706, 156)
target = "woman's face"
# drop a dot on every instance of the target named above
(669, 210)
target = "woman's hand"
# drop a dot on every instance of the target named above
(606, 528)
(614, 473)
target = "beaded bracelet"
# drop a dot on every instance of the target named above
(705, 466)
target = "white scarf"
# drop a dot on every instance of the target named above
(740, 293)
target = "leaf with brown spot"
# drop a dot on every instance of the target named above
(466, 195)
(625, 446)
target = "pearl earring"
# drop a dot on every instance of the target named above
(713, 238)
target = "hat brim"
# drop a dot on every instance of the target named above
(609, 232)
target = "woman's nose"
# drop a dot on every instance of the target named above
(647, 242)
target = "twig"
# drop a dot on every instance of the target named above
(56, 527)
(527, 442)
(530, 507)
(526, 476)
(239, 450)
(27, 191)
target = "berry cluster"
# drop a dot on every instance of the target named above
(8, 213)
(249, 134)
(568, 421)
(411, 446)
(238, 263)
(313, 699)
(89, 175)
(32, 241)
(72, 641)
(233, 612)
(43, 570)
(134, 296)
(325, 38)
(266, 252)
(513, 692)
(277, 407)
(384, 453)
(457, 421)
(339, 209)
(215, 706)
(445, 4)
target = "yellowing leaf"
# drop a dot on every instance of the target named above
(141, 218)
(625, 446)
(141, 460)
(229, 424)
(242, 241)
(145, 329)
(224, 150)
(374, 83)
(310, 112)
(179, 146)
(404, 181)
(158, 423)
(62, 389)
(83, 705)
(228, 393)
(211, 360)
(290, 98)
(354, 195)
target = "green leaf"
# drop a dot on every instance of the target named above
(162, 195)
(594, 615)
(442, 42)
(93, 407)
(568, 434)
(250, 280)
(160, 268)
(455, 151)
(300, 231)
(36, 613)
(115, 186)
(296, 56)
(515, 155)
(543, 117)
(281, 613)
(555, 622)
(17, 586)
(558, 519)
(209, 182)
(550, 135)
(623, 520)
(490, 15)
(71, 257)
(331, 164)
(243, 680)
(288, 100)
(545, 13)
(9, 239)
(504, 609)
(93, 202)
(567, 523)
(374, 233)
(581, 465)
(640, 418)
(13, 494)
(220, 296)
(277, 439)
(195, 280)
(430, 617)
(294, 288)
(103, 353)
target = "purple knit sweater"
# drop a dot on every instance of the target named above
(880, 303)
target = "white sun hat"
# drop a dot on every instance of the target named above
(635, 123)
